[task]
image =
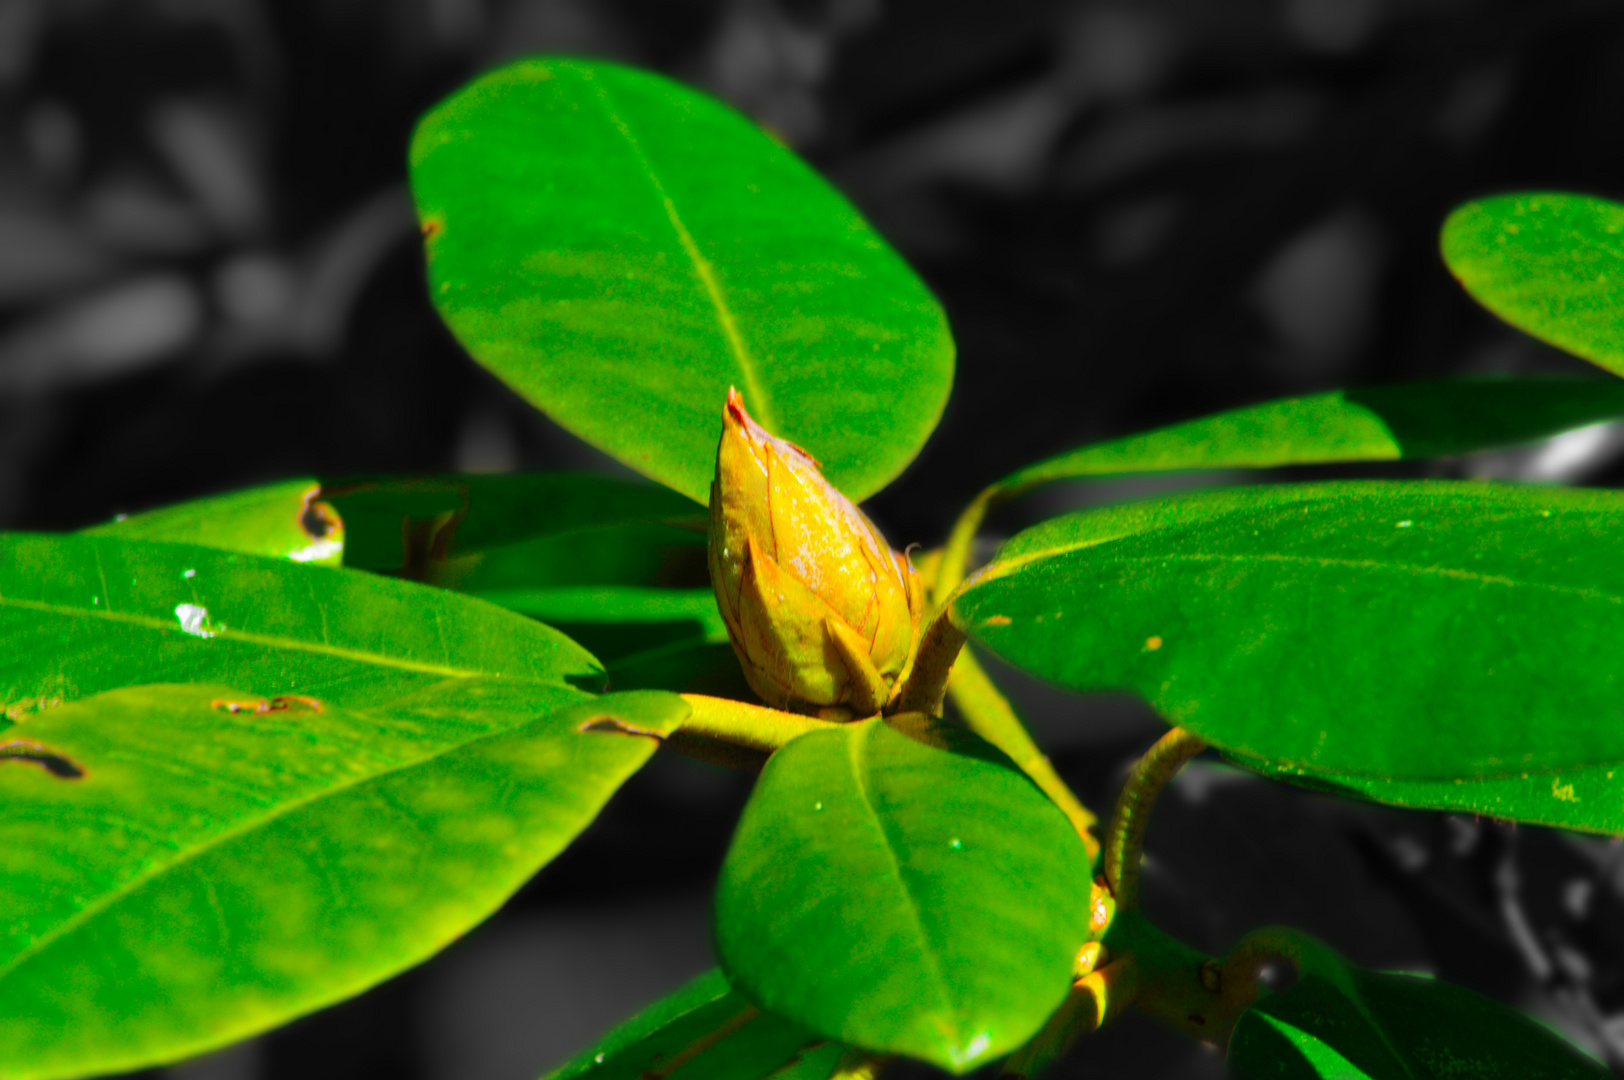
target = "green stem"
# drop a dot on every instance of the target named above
(989, 714)
(1125, 836)
(742, 724)
(956, 552)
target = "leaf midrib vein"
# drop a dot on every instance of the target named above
(270, 640)
(854, 748)
(1413, 569)
(759, 403)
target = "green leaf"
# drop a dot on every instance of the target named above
(1586, 798)
(1339, 1022)
(901, 886)
(79, 615)
(621, 249)
(393, 520)
(215, 870)
(1548, 263)
(704, 1031)
(620, 621)
(1383, 423)
(1417, 631)
(285, 521)
(594, 556)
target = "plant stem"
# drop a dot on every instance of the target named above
(1125, 836)
(989, 714)
(1094, 1001)
(927, 682)
(956, 552)
(742, 724)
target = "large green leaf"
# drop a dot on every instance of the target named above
(1384, 423)
(1550, 264)
(1339, 1022)
(1417, 631)
(620, 250)
(901, 886)
(79, 615)
(284, 520)
(221, 863)
(704, 1031)
(1586, 798)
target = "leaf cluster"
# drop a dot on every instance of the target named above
(262, 751)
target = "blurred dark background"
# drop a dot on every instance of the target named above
(1134, 211)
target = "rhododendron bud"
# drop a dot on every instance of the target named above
(822, 612)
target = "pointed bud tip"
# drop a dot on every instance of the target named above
(734, 415)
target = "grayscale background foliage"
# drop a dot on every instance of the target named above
(1134, 212)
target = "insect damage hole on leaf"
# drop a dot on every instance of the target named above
(49, 760)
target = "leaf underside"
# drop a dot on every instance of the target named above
(705, 1030)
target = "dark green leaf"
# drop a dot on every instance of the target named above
(220, 864)
(593, 556)
(391, 519)
(1587, 798)
(1384, 423)
(79, 615)
(630, 553)
(1550, 264)
(704, 1031)
(1417, 631)
(621, 621)
(285, 521)
(1338, 1022)
(621, 249)
(901, 886)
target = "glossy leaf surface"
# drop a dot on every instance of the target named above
(285, 521)
(222, 863)
(901, 886)
(1339, 1022)
(621, 249)
(1550, 264)
(79, 615)
(1416, 631)
(1383, 423)
(704, 1030)
(1588, 798)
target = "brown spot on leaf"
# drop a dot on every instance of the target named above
(996, 620)
(289, 703)
(1152, 643)
(34, 754)
(617, 726)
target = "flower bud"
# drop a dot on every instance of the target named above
(822, 612)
